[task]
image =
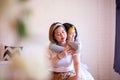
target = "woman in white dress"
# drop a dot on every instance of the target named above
(65, 65)
(73, 42)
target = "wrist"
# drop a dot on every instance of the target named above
(58, 56)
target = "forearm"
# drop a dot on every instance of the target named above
(77, 68)
(56, 48)
(76, 61)
(52, 56)
(58, 56)
(54, 59)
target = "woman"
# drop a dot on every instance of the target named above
(74, 43)
(64, 65)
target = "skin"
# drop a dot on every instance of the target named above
(71, 35)
(76, 60)
(61, 36)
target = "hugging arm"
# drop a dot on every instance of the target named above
(56, 48)
(75, 45)
(55, 57)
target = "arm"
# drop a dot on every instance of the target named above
(76, 61)
(55, 57)
(52, 56)
(56, 48)
(75, 45)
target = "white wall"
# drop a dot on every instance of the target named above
(95, 21)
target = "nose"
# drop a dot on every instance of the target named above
(61, 34)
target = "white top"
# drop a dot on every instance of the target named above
(63, 65)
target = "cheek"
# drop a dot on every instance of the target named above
(68, 37)
(56, 37)
(65, 35)
(74, 35)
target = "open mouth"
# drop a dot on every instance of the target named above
(62, 38)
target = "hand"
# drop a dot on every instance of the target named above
(72, 51)
(62, 54)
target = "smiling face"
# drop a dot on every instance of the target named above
(71, 35)
(60, 35)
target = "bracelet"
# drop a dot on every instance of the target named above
(58, 56)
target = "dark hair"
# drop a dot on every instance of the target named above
(68, 26)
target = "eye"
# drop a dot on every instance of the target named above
(58, 33)
(70, 33)
(63, 31)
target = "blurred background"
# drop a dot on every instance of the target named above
(26, 23)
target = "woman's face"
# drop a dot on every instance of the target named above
(71, 35)
(60, 35)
